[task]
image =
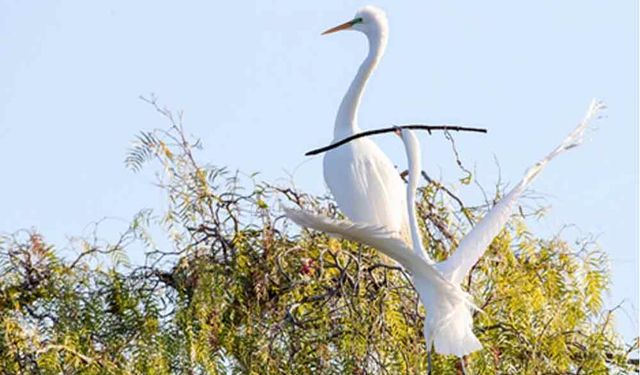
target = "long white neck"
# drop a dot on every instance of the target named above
(414, 157)
(347, 118)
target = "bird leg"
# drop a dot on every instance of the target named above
(429, 362)
(461, 366)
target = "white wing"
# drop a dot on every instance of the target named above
(366, 186)
(471, 248)
(387, 242)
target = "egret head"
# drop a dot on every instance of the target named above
(369, 20)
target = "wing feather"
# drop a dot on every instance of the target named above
(388, 242)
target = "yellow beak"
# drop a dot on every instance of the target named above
(343, 26)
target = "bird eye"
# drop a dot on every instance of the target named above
(356, 20)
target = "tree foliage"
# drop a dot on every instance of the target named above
(232, 287)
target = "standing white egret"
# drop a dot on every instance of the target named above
(449, 323)
(362, 179)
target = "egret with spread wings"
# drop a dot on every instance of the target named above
(449, 323)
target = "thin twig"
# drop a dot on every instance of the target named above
(448, 136)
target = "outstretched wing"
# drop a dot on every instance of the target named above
(388, 242)
(474, 244)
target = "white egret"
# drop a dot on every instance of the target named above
(362, 179)
(449, 322)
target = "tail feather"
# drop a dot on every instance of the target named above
(448, 326)
(452, 329)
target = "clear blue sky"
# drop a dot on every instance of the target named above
(260, 86)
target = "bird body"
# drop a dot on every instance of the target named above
(366, 185)
(362, 179)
